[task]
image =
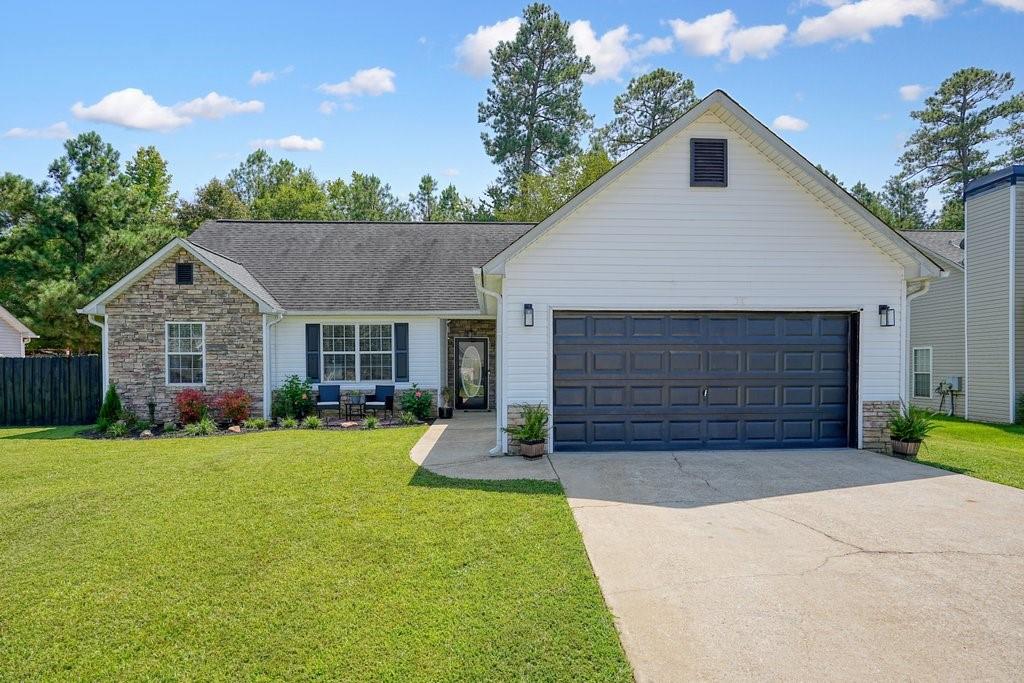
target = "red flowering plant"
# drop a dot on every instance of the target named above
(233, 406)
(418, 402)
(192, 406)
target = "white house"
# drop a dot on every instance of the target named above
(13, 335)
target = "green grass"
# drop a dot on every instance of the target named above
(992, 452)
(285, 555)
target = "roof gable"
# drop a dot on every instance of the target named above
(18, 326)
(915, 263)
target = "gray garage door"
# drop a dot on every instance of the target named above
(640, 381)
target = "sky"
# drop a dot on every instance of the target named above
(392, 88)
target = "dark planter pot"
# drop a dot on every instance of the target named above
(905, 449)
(444, 413)
(531, 450)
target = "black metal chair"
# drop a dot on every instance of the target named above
(383, 398)
(329, 397)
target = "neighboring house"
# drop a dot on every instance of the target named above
(937, 326)
(13, 335)
(713, 290)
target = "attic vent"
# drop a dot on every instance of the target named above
(709, 162)
(183, 273)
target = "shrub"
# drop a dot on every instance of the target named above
(910, 423)
(534, 426)
(117, 429)
(293, 399)
(203, 427)
(256, 423)
(312, 422)
(233, 406)
(417, 402)
(408, 418)
(371, 422)
(288, 423)
(130, 420)
(192, 406)
(170, 427)
(110, 409)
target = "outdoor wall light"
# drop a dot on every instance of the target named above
(886, 316)
(528, 315)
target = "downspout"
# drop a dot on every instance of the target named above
(478, 280)
(267, 355)
(923, 287)
(104, 348)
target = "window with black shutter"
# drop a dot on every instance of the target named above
(183, 274)
(709, 162)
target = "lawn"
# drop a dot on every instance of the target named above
(992, 452)
(286, 555)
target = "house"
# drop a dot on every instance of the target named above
(13, 335)
(713, 290)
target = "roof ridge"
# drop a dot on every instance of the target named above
(217, 253)
(419, 223)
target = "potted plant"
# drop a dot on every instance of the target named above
(908, 427)
(445, 411)
(532, 433)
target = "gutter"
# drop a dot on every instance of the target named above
(478, 282)
(267, 370)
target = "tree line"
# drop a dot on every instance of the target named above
(67, 238)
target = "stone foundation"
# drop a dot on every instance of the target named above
(514, 417)
(875, 419)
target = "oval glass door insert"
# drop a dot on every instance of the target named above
(471, 372)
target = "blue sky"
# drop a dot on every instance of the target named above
(392, 88)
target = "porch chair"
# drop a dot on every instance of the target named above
(329, 397)
(383, 398)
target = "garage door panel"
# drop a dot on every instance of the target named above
(679, 380)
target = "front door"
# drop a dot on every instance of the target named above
(471, 374)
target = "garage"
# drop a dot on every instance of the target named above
(675, 381)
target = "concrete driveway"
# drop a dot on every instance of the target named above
(803, 565)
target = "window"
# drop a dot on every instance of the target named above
(923, 372)
(709, 166)
(186, 353)
(183, 273)
(353, 351)
(339, 349)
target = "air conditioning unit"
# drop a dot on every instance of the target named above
(955, 383)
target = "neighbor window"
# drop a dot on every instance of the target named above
(353, 351)
(186, 353)
(923, 372)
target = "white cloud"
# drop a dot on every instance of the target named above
(609, 53)
(327, 107)
(290, 143)
(1014, 5)
(756, 41)
(791, 123)
(217, 106)
(374, 81)
(131, 108)
(450, 172)
(856, 20)
(653, 46)
(56, 131)
(422, 40)
(912, 92)
(260, 77)
(717, 33)
(473, 54)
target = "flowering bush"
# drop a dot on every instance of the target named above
(233, 406)
(293, 399)
(417, 402)
(192, 406)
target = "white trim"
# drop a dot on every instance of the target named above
(167, 353)
(1013, 303)
(18, 326)
(914, 372)
(967, 355)
(104, 352)
(268, 370)
(474, 314)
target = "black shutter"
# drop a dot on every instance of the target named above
(313, 352)
(709, 162)
(401, 352)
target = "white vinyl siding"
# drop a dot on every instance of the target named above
(11, 343)
(937, 321)
(922, 372)
(1019, 300)
(288, 342)
(988, 305)
(650, 241)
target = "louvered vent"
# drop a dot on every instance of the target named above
(182, 273)
(709, 163)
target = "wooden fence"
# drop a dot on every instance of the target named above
(45, 390)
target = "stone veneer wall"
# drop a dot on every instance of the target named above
(136, 336)
(514, 417)
(475, 328)
(876, 430)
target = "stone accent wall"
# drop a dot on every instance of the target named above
(136, 336)
(514, 417)
(475, 328)
(875, 419)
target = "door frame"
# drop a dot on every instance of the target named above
(486, 368)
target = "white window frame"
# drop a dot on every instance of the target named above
(358, 352)
(167, 353)
(914, 371)
(354, 353)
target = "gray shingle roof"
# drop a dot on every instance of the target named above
(341, 266)
(945, 243)
(239, 272)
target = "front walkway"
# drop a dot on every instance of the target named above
(459, 448)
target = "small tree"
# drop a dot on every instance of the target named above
(110, 410)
